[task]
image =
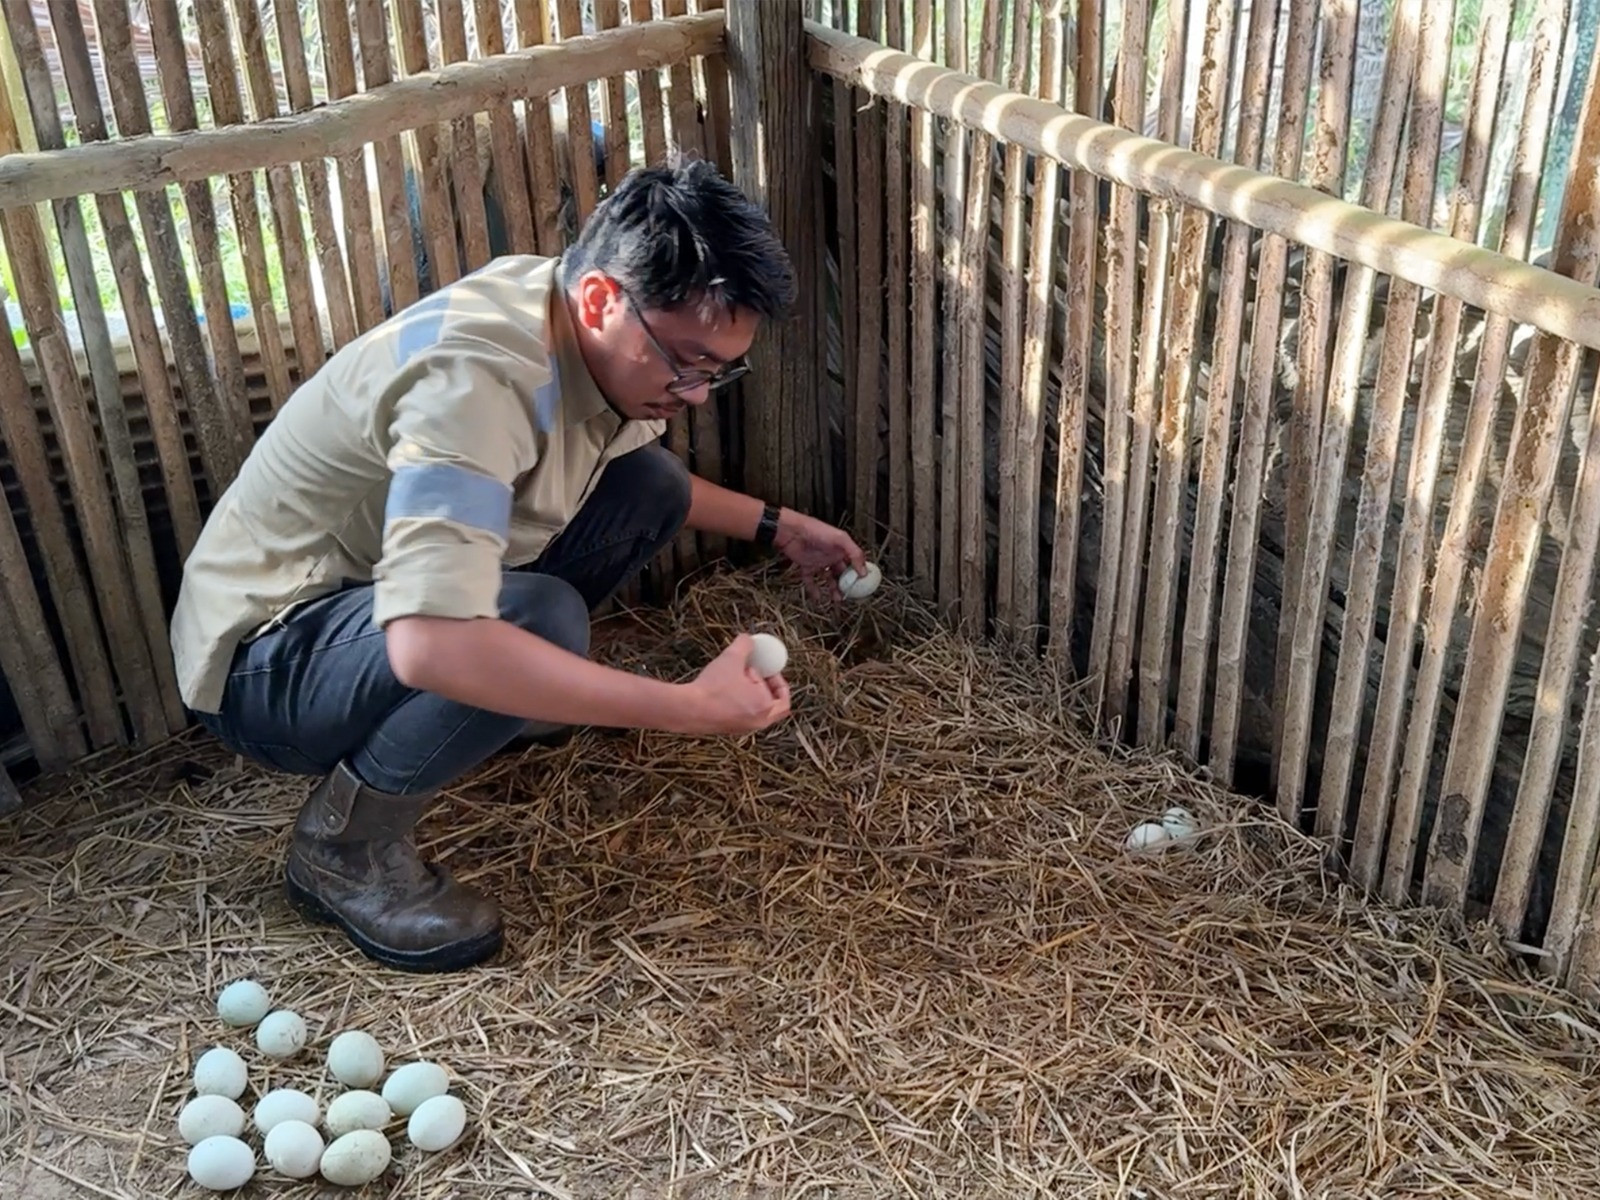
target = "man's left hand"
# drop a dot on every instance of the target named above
(821, 551)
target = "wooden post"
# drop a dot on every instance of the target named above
(772, 149)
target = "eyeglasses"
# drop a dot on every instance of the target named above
(688, 380)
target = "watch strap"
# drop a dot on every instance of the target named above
(767, 527)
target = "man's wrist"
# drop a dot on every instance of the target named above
(766, 533)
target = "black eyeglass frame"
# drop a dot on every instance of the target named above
(687, 380)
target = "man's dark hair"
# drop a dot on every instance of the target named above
(681, 234)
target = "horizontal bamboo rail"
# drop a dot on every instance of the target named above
(1436, 261)
(348, 124)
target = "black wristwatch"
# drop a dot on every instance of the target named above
(767, 528)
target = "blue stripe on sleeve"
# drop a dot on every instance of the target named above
(448, 492)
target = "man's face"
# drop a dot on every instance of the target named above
(651, 364)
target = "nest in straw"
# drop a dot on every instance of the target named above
(894, 947)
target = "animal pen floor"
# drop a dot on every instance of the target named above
(892, 948)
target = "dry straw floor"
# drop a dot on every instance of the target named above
(893, 948)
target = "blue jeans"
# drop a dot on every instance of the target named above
(319, 690)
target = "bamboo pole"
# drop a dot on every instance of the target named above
(1019, 536)
(1450, 560)
(284, 198)
(161, 406)
(1239, 579)
(1532, 295)
(1013, 300)
(1438, 376)
(217, 404)
(1383, 437)
(869, 271)
(1327, 170)
(1183, 326)
(580, 129)
(388, 156)
(848, 208)
(712, 79)
(466, 170)
(924, 300)
(1122, 267)
(614, 102)
(896, 553)
(1082, 268)
(109, 572)
(972, 281)
(711, 84)
(314, 175)
(1525, 492)
(956, 147)
(1572, 937)
(227, 108)
(104, 377)
(650, 108)
(511, 185)
(438, 215)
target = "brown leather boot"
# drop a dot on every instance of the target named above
(352, 863)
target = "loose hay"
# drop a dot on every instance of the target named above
(893, 947)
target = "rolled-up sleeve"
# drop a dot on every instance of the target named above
(457, 439)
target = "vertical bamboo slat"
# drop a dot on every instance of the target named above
(1172, 442)
(1438, 377)
(713, 76)
(150, 358)
(924, 301)
(466, 171)
(1122, 269)
(896, 214)
(1383, 435)
(1525, 491)
(28, 661)
(869, 272)
(614, 98)
(580, 130)
(849, 260)
(956, 146)
(227, 108)
(1451, 557)
(438, 215)
(1239, 579)
(650, 109)
(389, 157)
(314, 175)
(711, 82)
(284, 199)
(1072, 414)
(218, 407)
(339, 67)
(70, 592)
(105, 378)
(1327, 170)
(1013, 293)
(96, 518)
(1572, 938)
(511, 183)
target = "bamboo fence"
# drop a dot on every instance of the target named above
(1208, 352)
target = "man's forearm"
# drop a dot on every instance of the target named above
(716, 509)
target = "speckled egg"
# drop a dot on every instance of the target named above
(220, 1072)
(221, 1164)
(210, 1116)
(355, 1059)
(356, 1158)
(413, 1083)
(242, 1003)
(359, 1109)
(281, 1034)
(294, 1149)
(437, 1123)
(285, 1104)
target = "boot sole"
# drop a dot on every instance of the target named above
(455, 956)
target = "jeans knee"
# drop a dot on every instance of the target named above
(658, 482)
(547, 606)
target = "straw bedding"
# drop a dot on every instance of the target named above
(892, 948)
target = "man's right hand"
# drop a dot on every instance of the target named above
(729, 697)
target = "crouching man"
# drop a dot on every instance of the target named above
(401, 578)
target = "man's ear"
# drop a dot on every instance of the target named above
(598, 299)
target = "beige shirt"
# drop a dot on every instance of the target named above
(443, 445)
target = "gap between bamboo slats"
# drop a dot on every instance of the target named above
(1189, 288)
(1438, 378)
(956, 149)
(924, 299)
(433, 187)
(1122, 270)
(314, 176)
(227, 108)
(580, 131)
(466, 169)
(1215, 490)
(1344, 385)
(1083, 270)
(166, 426)
(213, 385)
(1128, 586)
(1327, 172)
(1450, 558)
(28, 661)
(284, 200)
(1390, 396)
(362, 246)
(104, 381)
(895, 552)
(1013, 298)
(869, 273)
(1536, 438)
(973, 323)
